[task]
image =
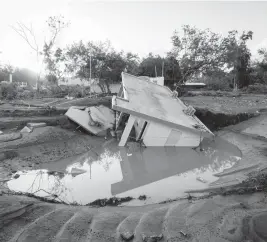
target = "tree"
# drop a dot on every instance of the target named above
(259, 68)
(197, 51)
(237, 55)
(106, 64)
(26, 32)
(79, 60)
(5, 70)
(132, 63)
(54, 58)
(203, 52)
(54, 64)
(152, 65)
(172, 71)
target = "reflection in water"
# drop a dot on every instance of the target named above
(45, 184)
(159, 172)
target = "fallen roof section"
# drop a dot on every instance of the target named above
(155, 102)
(96, 120)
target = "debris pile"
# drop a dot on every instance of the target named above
(36, 125)
(31, 126)
(10, 137)
(96, 120)
(26, 129)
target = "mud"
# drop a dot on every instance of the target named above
(221, 218)
(43, 145)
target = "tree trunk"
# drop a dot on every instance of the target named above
(107, 86)
(101, 87)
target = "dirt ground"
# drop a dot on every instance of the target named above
(214, 218)
(229, 104)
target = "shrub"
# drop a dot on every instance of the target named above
(256, 88)
(8, 91)
(44, 92)
(55, 91)
(78, 91)
(217, 84)
(25, 94)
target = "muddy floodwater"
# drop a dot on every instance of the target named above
(159, 173)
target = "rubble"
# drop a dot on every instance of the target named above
(97, 119)
(69, 97)
(10, 137)
(36, 125)
(26, 130)
(152, 238)
(127, 236)
(201, 180)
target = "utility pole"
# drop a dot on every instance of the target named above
(90, 170)
(156, 71)
(90, 74)
(162, 69)
(10, 77)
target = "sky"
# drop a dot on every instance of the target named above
(136, 26)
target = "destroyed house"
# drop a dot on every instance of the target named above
(157, 116)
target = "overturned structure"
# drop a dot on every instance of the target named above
(157, 116)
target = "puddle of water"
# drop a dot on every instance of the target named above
(160, 173)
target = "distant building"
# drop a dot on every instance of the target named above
(22, 84)
(19, 84)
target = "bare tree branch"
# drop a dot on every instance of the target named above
(25, 32)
